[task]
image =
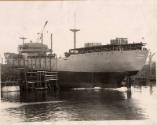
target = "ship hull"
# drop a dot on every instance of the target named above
(92, 79)
(103, 69)
(113, 61)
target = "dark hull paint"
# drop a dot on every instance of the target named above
(89, 79)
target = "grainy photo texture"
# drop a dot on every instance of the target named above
(78, 62)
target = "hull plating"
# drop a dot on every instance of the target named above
(89, 79)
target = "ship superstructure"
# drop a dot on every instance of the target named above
(33, 49)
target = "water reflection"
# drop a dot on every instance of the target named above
(83, 104)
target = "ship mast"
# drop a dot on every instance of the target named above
(23, 39)
(74, 30)
(51, 44)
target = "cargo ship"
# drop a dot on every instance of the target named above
(102, 65)
(88, 66)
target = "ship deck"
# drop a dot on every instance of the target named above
(108, 47)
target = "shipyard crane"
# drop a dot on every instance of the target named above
(42, 31)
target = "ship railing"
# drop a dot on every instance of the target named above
(116, 47)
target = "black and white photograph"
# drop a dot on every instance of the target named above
(78, 62)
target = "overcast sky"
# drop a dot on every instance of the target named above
(98, 20)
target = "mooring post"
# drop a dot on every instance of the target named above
(128, 82)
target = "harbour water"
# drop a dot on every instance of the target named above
(91, 104)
